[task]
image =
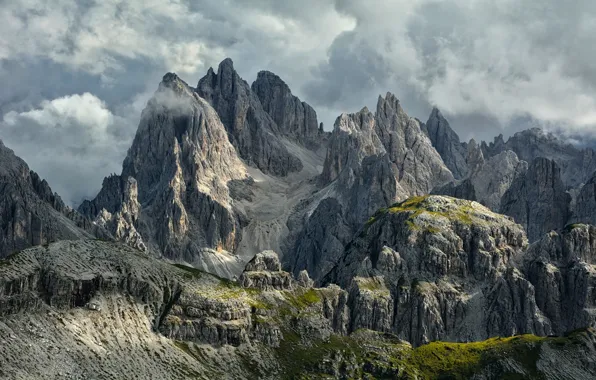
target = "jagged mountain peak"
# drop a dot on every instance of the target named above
(170, 77)
(389, 105)
(577, 165)
(363, 120)
(273, 79)
(446, 141)
(172, 197)
(253, 132)
(353, 138)
(226, 64)
(297, 120)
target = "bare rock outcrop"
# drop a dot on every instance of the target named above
(447, 143)
(173, 196)
(584, 207)
(537, 199)
(252, 131)
(116, 208)
(562, 268)
(31, 214)
(296, 119)
(439, 268)
(264, 272)
(576, 165)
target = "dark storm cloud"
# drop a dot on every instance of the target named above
(486, 64)
(492, 67)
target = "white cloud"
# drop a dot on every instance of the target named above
(74, 141)
(178, 35)
(475, 59)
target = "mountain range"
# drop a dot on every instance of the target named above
(241, 240)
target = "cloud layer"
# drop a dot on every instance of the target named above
(76, 74)
(74, 140)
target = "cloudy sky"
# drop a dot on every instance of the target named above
(76, 74)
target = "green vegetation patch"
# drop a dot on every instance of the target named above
(410, 204)
(371, 355)
(416, 206)
(462, 360)
(260, 304)
(302, 299)
(374, 285)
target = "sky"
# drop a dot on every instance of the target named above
(76, 74)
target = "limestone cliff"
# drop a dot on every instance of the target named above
(537, 199)
(440, 268)
(296, 119)
(173, 196)
(99, 310)
(372, 161)
(252, 131)
(447, 143)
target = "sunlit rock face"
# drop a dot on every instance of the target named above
(172, 197)
(373, 160)
(440, 268)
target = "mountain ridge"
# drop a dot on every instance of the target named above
(340, 253)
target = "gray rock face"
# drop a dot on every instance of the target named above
(116, 208)
(264, 261)
(562, 268)
(577, 165)
(296, 119)
(252, 131)
(584, 208)
(30, 213)
(353, 139)
(475, 158)
(447, 144)
(488, 181)
(538, 200)
(460, 189)
(264, 272)
(74, 299)
(357, 179)
(439, 268)
(495, 177)
(173, 196)
(114, 194)
(372, 161)
(304, 279)
(322, 240)
(419, 165)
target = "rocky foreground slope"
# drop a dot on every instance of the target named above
(98, 310)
